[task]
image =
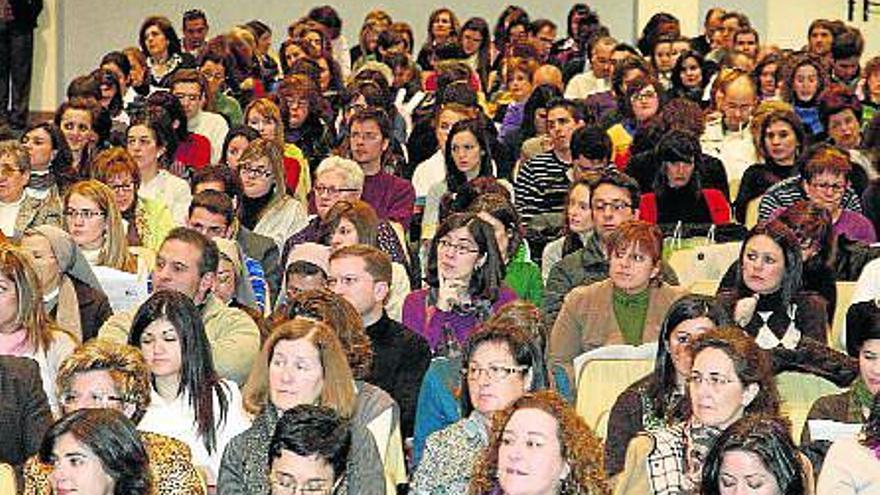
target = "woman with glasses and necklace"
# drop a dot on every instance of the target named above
(627, 308)
(465, 283)
(500, 363)
(730, 378)
(146, 221)
(266, 207)
(18, 209)
(95, 225)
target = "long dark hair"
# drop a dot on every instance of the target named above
(61, 166)
(677, 85)
(768, 438)
(677, 146)
(791, 251)
(484, 62)
(455, 178)
(199, 380)
(689, 307)
(113, 438)
(540, 97)
(486, 280)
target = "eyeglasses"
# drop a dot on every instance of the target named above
(95, 398)
(129, 187)
(366, 136)
(744, 108)
(644, 96)
(83, 214)
(494, 372)
(283, 484)
(713, 380)
(213, 76)
(332, 190)
(829, 186)
(8, 170)
(183, 97)
(616, 206)
(459, 249)
(255, 172)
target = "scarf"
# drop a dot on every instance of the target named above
(252, 208)
(15, 343)
(862, 400)
(41, 181)
(676, 463)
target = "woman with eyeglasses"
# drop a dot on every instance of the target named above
(146, 221)
(302, 363)
(19, 210)
(769, 303)
(465, 283)
(104, 375)
(637, 103)
(500, 363)
(189, 401)
(95, 225)
(658, 399)
(149, 141)
(627, 308)
(266, 208)
(25, 328)
(730, 377)
(305, 124)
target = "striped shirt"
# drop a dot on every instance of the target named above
(789, 191)
(541, 185)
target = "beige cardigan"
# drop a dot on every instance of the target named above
(586, 321)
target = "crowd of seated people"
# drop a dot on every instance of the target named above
(379, 268)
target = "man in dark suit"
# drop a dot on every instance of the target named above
(702, 43)
(18, 18)
(24, 411)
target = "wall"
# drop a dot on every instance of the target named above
(74, 34)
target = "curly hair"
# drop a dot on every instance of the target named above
(124, 364)
(580, 448)
(791, 66)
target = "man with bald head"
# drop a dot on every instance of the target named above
(729, 137)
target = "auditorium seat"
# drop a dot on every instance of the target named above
(797, 392)
(601, 381)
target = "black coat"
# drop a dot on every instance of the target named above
(24, 410)
(94, 309)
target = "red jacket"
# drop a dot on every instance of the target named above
(719, 209)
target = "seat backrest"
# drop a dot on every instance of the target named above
(752, 212)
(845, 291)
(601, 381)
(797, 392)
(703, 262)
(704, 287)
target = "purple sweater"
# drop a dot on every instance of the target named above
(415, 316)
(392, 197)
(855, 226)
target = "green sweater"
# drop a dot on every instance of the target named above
(524, 277)
(630, 311)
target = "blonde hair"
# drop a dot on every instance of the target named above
(268, 109)
(30, 313)
(338, 392)
(114, 250)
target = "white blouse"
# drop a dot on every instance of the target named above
(176, 418)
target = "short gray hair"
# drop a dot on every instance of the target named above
(19, 153)
(353, 173)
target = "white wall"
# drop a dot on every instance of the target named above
(74, 34)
